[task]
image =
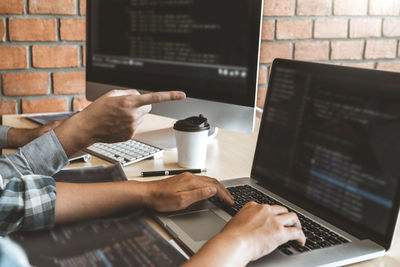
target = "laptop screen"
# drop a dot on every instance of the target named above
(330, 141)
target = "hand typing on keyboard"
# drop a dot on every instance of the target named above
(182, 190)
(256, 230)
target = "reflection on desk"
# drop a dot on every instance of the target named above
(125, 241)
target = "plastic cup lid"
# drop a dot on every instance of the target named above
(192, 124)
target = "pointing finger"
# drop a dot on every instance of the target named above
(159, 97)
(122, 92)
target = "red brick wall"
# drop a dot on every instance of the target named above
(42, 45)
(360, 33)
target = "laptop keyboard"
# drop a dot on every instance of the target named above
(317, 235)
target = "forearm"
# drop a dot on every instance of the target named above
(18, 137)
(88, 201)
(74, 135)
(221, 250)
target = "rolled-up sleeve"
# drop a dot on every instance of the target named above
(43, 156)
(3, 135)
(27, 203)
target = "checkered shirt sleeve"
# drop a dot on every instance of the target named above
(27, 203)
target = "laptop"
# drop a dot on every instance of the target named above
(328, 149)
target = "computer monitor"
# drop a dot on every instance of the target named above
(207, 48)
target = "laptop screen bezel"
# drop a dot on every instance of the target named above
(343, 223)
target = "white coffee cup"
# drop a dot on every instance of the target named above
(191, 141)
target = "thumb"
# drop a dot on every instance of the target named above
(198, 194)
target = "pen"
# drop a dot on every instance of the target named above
(171, 172)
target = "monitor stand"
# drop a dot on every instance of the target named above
(165, 138)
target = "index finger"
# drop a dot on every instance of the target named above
(158, 97)
(294, 233)
(222, 192)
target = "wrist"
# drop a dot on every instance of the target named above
(73, 135)
(148, 194)
(213, 253)
(241, 249)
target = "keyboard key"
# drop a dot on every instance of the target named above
(317, 236)
(286, 251)
(124, 152)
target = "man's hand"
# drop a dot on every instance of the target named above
(116, 116)
(18, 137)
(263, 228)
(87, 201)
(181, 191)
(255, 231)
(113, 117)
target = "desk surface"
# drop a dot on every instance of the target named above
(230, 155)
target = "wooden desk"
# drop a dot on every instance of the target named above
(230, 155)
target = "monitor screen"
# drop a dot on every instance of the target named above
(331, 142)
(207, 48)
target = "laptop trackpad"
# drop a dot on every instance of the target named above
(199, 225)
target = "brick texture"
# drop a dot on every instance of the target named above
(8, 107)
(347, 50)
(278, 8)
(59, 7)
(82, 7)
(313, 7)
(262, 75)
(80, 103)
(12, 7)
(380, 49)
(43, 105)
(369, 27)
(2, 30)
(312, 51)
(19, 84)
(398, 51)
(73, 29)
(268, 30)
(13, 57)
(384, 7)
(33, 29)
(353, 7)
(261, 97)
(55, 56)
(69, 83)
(330, 28)
(389, 66)
(293, 29)
(270, 51)
(391, 27)
(84, 55)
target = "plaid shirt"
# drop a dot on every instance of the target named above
(27, 192)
